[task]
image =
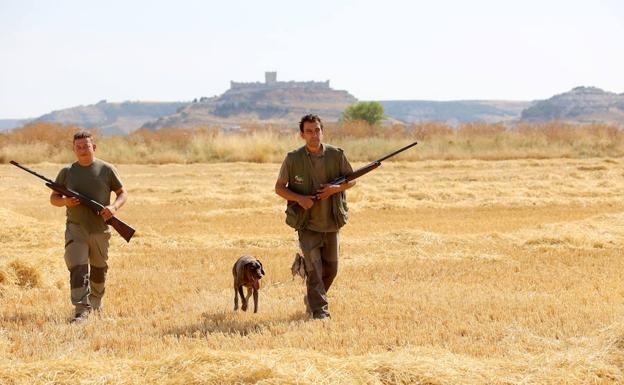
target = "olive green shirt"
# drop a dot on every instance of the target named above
(321, 217)
(96, 182)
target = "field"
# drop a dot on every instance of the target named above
(451, 272)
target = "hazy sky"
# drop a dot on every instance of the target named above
(58, 54)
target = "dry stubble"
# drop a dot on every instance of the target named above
(468, 272)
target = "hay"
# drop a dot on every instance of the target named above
(596, 364)
(26, 275)
(488, 274)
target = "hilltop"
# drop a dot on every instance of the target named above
(580, 105)
(271, 101)
(112, 118)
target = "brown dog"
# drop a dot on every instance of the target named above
(247, 272)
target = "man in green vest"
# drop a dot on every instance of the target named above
(87, 235)
(316, 209)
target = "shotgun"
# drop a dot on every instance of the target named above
(120, 226)
(369, 167)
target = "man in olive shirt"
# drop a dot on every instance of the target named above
(316, 209)
(87, 234)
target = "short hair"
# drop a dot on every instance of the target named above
(83, 135)
(310, 118)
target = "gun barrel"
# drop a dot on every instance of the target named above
(14, 163)
(369, 167)
(397, 152)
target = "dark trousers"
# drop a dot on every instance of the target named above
(320, 251)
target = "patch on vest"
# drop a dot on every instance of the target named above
(298, 179)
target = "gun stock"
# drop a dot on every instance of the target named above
(122, 228)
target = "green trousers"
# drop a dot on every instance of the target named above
(85, 256)
(320, 252)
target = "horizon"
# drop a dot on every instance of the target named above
(384, 100)
(448, 51)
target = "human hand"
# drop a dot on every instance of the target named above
(71, 201)
(327, 190)
(306, 201)
(108, 212)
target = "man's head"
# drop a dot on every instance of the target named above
(311, 130)
(84, 148)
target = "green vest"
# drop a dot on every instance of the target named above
(300, 181)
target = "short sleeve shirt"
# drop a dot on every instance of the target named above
(95, 181)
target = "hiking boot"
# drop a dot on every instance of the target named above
(80, 317)
(322, 317)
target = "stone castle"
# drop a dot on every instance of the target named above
(271, 82)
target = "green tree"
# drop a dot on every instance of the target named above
(371, 112)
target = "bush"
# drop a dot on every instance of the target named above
(370, 112)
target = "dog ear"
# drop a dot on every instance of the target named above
(261, 269)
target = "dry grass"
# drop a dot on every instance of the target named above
(25, 274)
(261, 144)
(452, 272)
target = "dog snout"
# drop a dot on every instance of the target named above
(258, 269)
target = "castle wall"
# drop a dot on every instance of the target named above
(239, 86)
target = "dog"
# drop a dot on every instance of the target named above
(247, 272)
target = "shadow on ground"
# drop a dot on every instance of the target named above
(240, 324)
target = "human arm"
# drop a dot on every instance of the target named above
(110, 210)
(329, 189)
(281, 189)
(58, 200)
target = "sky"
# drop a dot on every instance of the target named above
(60, 54)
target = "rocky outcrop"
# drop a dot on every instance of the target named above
(580, 105)
(279, 102)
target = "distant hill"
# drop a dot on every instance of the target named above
(113, 118)
(454, 112)
(282, 102)
(285, 102)
(7, 124)
(271, 101)
(580, 105)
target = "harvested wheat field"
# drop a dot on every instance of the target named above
(451, 272)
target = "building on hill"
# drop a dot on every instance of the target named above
(270, 77)
(271, 82)
(269, 101)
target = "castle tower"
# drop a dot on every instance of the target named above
(270, 77)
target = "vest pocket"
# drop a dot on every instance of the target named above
(340, 209)
(296, 216)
